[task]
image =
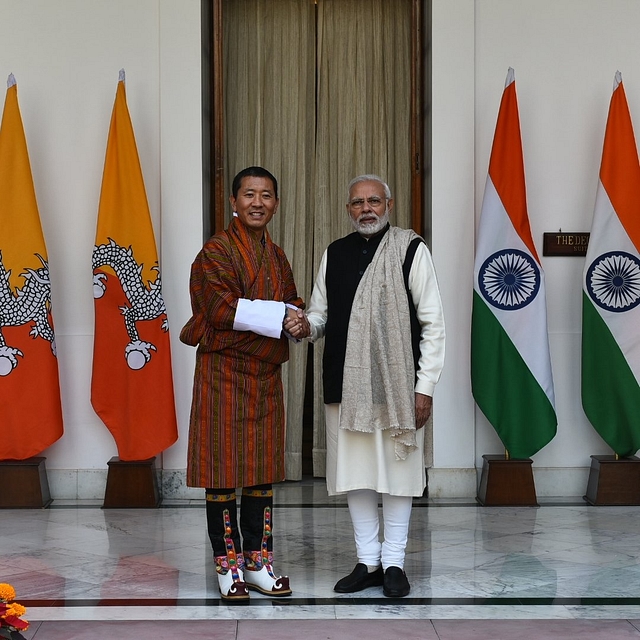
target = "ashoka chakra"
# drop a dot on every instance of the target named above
(509, 279)
(613, 281)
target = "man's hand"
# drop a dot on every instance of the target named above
(296, 324)
(423, 409)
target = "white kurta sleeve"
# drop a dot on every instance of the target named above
(263, 317)
(426, 298)
(317, 309)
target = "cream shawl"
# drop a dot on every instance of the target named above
(379, 376)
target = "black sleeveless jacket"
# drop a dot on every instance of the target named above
(347, 260)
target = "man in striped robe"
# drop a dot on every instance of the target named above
(241, 288)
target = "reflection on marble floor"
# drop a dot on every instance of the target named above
(77, 561)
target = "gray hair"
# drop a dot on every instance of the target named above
(369, 177)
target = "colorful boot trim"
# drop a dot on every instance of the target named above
(259, 574)
(221, 497)
(253, 560)
(232, 557)
(230, 568)
(258, 493)
(257, 559)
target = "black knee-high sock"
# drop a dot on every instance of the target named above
(219, 500)
(256, 518)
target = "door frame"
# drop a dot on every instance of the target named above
(216, 196)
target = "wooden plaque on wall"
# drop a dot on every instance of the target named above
(565, 244)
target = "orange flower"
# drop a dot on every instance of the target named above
(11, 611)
(16, 609)
(7, 592)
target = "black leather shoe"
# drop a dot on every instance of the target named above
(360, 579)
(395, 583)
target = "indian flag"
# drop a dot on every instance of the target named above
(510, 364)
(611, 289)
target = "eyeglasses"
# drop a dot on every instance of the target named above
(372, 201)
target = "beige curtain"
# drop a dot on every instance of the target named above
(317, 94)
(364, 76)
(269, 96)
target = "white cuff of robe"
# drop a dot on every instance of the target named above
(263, 317)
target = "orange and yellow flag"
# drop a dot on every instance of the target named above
(30, 407)
(132, 383)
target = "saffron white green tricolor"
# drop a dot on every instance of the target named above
(611, 289)
(510, 363)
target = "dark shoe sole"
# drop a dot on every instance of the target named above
(235, 598)
(375, 579)
(373, 583)
(395, 594)
(275, 594)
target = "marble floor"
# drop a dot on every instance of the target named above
(562, 570)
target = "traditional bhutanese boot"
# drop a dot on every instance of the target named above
(222, 524)
(256, 524)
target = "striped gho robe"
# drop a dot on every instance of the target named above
(237, 424)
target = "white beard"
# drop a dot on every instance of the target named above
(371, 228)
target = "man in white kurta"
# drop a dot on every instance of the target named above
(376, 302)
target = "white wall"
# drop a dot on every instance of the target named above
(66, 56)
(452, 240)
(565, 54)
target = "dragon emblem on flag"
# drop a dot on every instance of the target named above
(144, 303)
(31, 303)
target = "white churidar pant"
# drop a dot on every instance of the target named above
(396, 512)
